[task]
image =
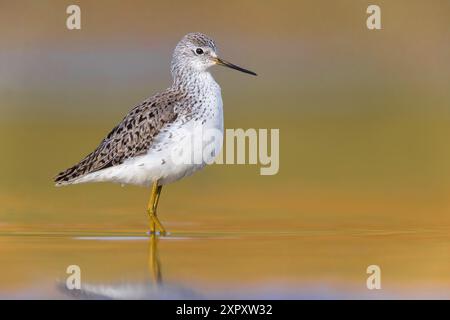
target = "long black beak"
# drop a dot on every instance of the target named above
(233, 66)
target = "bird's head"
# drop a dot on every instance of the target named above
(198, 52)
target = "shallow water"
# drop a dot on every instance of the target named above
(318, 264)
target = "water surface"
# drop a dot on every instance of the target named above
(318, 264)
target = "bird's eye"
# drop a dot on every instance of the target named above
(199, 51)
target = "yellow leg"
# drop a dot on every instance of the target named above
(151, 210)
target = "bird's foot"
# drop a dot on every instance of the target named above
(157, 233)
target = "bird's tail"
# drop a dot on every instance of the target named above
(72, 174)
(66, 177)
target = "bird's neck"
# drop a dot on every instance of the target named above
(189, 79)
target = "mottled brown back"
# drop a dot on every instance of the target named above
(133, 136)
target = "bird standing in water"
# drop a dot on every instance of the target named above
(145, 148)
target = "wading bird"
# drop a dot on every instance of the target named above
(140, 149)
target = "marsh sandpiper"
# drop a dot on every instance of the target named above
(140, 149)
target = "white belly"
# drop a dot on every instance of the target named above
(199, 140)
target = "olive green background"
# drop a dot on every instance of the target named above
(364, 122)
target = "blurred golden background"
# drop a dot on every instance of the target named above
(364, 122)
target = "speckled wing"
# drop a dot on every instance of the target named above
(132, 137)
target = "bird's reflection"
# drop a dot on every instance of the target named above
(154, 264)
(152, 288)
